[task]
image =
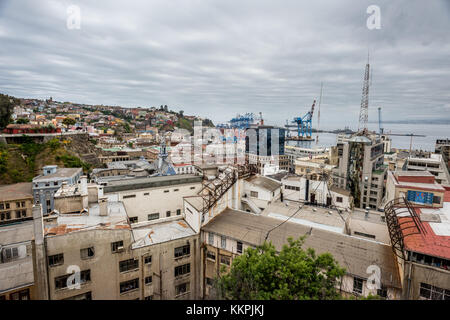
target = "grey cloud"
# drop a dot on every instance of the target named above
(219, 58)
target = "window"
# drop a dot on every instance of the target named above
(209, 281)
(436, 200)
(146, 193)
(149, 297)
(2, 206)
(148, 259)
(129, 285)
(87, 253)
(55, 183)
(254, 194)
(178, 212)
(382, 292)
(175, 190)
(133, 219)
(117, 246)
(192, 188)
(239, 247)
(339, 199)
(17, 204)
(167, 214)
(56, 260)
(148, 280)
(182, 288)
(430, 292)
(223, 242)
(83, 296)
(20, 295)
(127, 265)
(210, 238)
(7, 205)
(364, 235)
(357, 285)
(129, 196)
(225, 260)
(62, 282)
(153, 216)
(10, 254)
(182, 251)
(211, 255)
(165, 191)
(183, 269)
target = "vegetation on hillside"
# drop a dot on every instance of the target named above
(22, 162)
(6, 109)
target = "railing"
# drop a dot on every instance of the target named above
(402, 221)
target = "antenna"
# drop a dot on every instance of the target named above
(318, 113)
(364, 110)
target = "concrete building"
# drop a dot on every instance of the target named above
(16, 263)
(259, 192)
(317, 165)
(231, 232)
(418, 187)
(16, 201)
(294, 152)
(153, 198)
(443, 147)
(45, 185)
(310, 189)
(98, 254)
(420, 236)
(434, 163)
(361, 170)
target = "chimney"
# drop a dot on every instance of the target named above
(39, 254)
(103, 206)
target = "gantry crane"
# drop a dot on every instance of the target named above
(304, 124)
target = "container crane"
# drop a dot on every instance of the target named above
(304, 124)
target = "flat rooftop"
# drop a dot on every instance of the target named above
(16, 191)
(312, 216)
(352, 253)
(115, 219)
(264, 183)
(160, 232)
(60, 173)
(150, 182)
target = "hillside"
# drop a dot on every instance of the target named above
(22, 162)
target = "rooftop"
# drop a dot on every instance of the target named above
(352, 253)
(160, 232)
(9, 192)
(115, 219)
(317, 217)
(263, 182)
(150, 182)
(59, 174)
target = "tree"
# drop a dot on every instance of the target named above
(23, 121)
(292, 274)
(68, 122)
(181, 113)
(6, 109)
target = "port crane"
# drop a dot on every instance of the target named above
(303, 125)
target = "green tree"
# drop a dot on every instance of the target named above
(69, 122)
(292, 274)
(22, 121)
(6, 109)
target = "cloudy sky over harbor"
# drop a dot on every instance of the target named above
(219, 58)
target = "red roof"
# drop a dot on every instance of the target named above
(426, 243)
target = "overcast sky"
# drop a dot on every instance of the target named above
(219, 58)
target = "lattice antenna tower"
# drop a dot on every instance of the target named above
(364, 111)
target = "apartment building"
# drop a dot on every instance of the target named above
(421, 240)
(97, 253)
(153, 198)
(443, 147)
(232, 231)
(361, 170)
(16, 263)
(16, 201)
(433, 163)
(45, 185)
(294, 152)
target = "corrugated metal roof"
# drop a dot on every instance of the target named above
(354, 254)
